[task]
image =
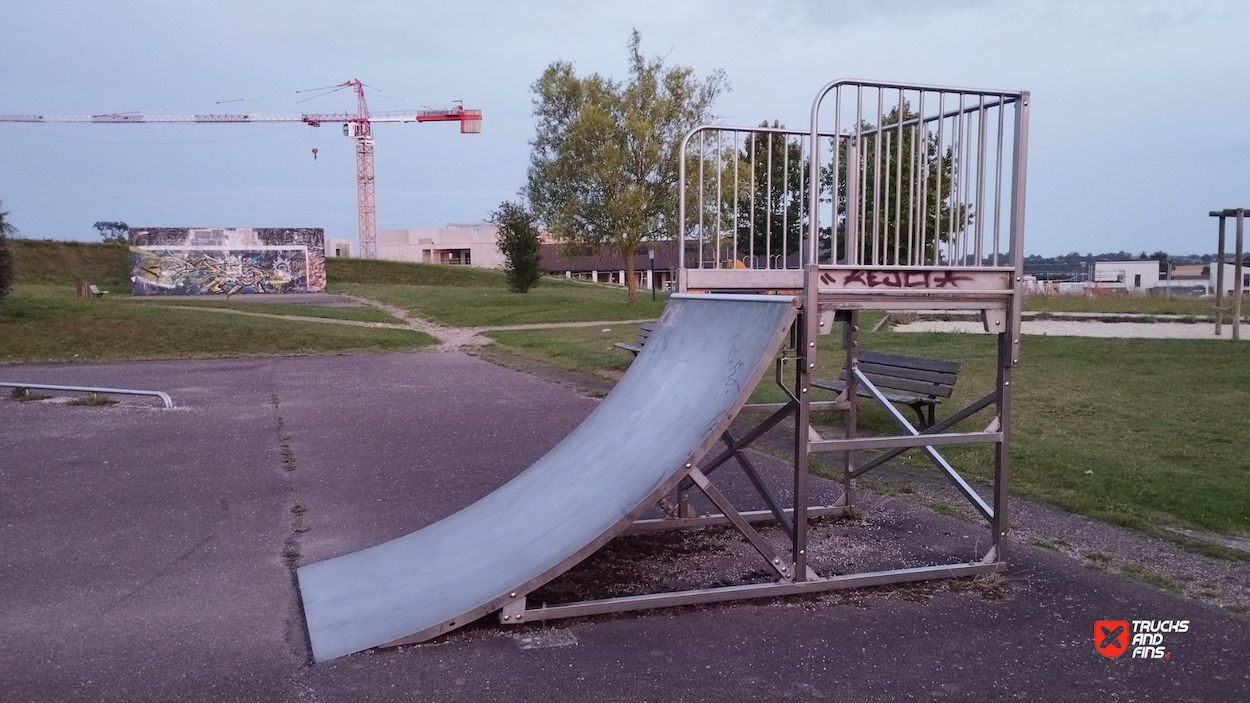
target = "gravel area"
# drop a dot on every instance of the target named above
(1224, 583)
(1072, 328)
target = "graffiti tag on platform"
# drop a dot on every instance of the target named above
(866, 278)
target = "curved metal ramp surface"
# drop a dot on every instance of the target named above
(696, 371)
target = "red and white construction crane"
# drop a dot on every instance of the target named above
(358, 127)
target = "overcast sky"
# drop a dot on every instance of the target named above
(1139, 113)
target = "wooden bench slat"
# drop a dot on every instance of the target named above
(903, 384)
(945, 379)
(644, 334)
(921, 388)
(906, 380)
(911, 362)
(839, 386)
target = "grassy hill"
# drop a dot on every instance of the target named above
(373, 271)
(67, 263)
(107, 265)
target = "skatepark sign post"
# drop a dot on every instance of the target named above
(917, 204)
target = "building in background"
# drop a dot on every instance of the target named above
(339, 247)
(1146, 276)
(1131, 276)
(1230, 277)
(457, 245)
(606, 267)
(226, 261)
(477, 245)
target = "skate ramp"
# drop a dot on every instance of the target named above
(696, 371)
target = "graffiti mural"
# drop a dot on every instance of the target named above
(206, 261)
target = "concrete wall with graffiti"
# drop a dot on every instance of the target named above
(219, 261)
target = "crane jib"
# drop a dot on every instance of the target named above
(470, 123)
(313, 119)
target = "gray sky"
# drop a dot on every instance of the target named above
(1139, 114)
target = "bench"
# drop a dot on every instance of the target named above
(644, 333)
(96, 292)
(914, 381)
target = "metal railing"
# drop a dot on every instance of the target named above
(888, 174)
(169, 403)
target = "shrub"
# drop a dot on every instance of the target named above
(519, 243)
(6, 258)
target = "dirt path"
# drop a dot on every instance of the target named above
(449, 338)
(297, 318)
(456, 338)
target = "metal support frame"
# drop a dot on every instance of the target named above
(169, 403)
(1238, 280)
(861, 249)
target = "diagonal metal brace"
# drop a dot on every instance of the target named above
(726, 507)
(964, 414)
(960, 484)
(778, 510)
(747, 440)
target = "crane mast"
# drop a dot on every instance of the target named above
(358, 126)
(366, 203)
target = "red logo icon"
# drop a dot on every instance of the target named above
(1111, 637)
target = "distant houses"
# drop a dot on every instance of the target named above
(1150, 276)
(475, 245)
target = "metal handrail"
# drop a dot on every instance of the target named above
(169, 403)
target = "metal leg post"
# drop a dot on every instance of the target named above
(1001, 450)
(805, 327)
(850, 337)
(1219, 282)
(1238, 279)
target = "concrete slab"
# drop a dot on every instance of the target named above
(328, 300)
(160, 575)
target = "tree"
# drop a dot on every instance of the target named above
(604, 164)
(1164, 261)
(519, 242)
(113, 232)
(6, 259)
(750, 193)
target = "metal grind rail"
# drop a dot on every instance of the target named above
(169, 403)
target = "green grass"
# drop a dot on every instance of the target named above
(41, 323)
(67, 263)
(583, 350)
(1140, 305)
(1144, 575)
(452, 295)
(1138, 432)
(93, 400)
(372, 271)
(362, 314)
(25, 395)
(555, 300)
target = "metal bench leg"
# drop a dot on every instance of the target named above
(924, 421)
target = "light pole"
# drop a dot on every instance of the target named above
(651, 257)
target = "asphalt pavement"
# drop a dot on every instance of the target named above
(147, 554)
